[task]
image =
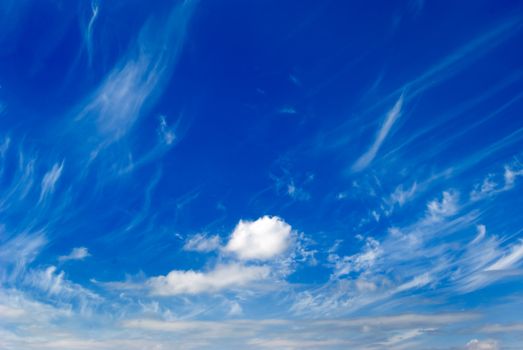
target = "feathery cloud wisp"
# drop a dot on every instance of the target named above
(369, 156)
(202, 243)
(49, 180)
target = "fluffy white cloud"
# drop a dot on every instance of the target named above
(222, 277)
(79, 253)
(202, 243)
(262, 239)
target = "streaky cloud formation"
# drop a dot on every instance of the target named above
(366, 158)
(135, 82)
(221, 277)
(50, 179)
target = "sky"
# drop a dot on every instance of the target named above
(261, 174)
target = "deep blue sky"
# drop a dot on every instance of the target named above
(261, 174)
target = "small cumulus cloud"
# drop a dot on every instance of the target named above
(262, 239)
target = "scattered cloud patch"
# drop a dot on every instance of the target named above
(447, 206)
(222, 277)
(476, 344)
(202, 243)
(510, 176)
(79, 253)
(401, 196)
(167, 134)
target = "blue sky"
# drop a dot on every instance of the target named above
(261, 174)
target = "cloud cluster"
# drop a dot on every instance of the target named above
(253, 247)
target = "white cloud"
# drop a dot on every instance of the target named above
(357, 262)
(95, 7)
(447, 206)
(406, 335)
(391, 118)
(79, 253)
(56, 285)
(49, 180)
(401, 196)
(476, 344)
(202, 243)
(508, 261)
(235, 309)
(139, 78)
(222, 277)
(167, 134)
(510, 176)
(488, 187)
(293, 344)
(482, 231)
(262, 239)
(18, 307)
(503, 328)
(416, 282)
(17, 253)
(10, 312)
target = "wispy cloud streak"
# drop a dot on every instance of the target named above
(391, 118)
(136, 82)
